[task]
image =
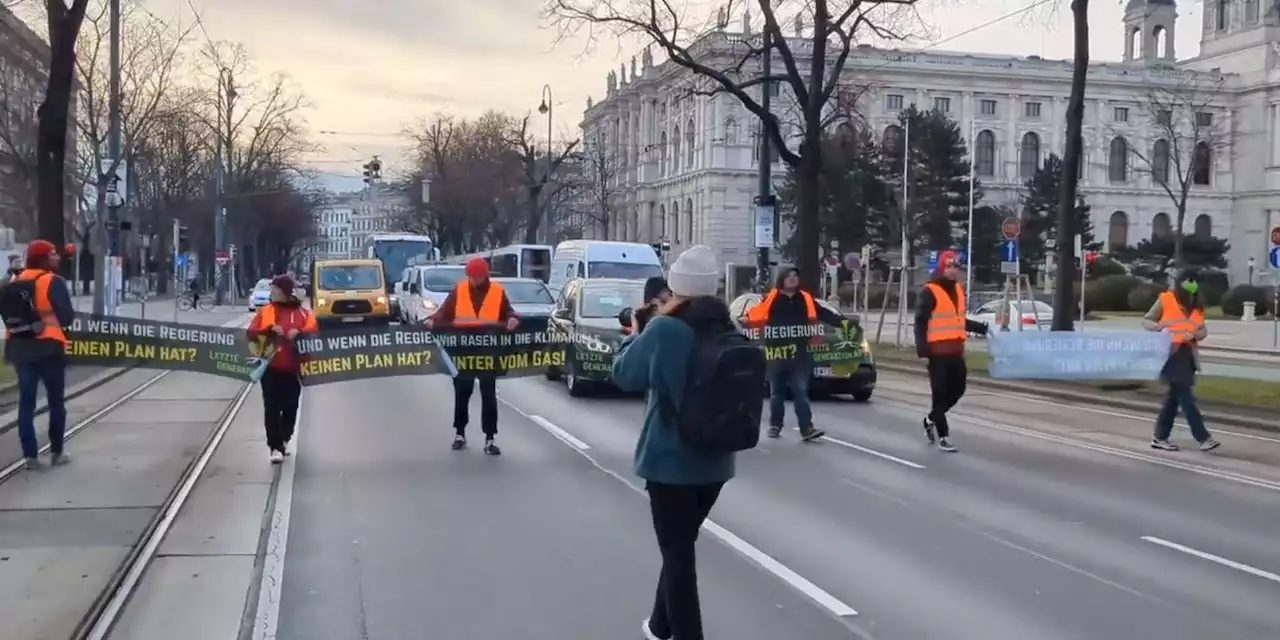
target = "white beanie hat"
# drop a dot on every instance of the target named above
(694, 273)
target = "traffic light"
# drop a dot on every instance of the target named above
(372, 170)
(184, 244)
(1091, 256)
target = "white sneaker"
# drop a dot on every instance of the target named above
(648, 634)
(277, 457)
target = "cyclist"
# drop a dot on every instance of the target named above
(194, 288)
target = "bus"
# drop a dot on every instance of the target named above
(399, 251)
(514, 261)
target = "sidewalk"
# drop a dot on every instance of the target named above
(65, 531)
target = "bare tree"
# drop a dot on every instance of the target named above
(812, 67)
(539, 164)
(593, 190)
(18, 135)
(54, 116)
(1190, 135)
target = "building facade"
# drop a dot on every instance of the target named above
(346, 220)
(686, 162)
(333, 228)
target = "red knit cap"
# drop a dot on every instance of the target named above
(477, 268)
(40, 250)
(945, 258)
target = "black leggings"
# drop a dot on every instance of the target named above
(463, 387)
(948, 377)
(281, 391)
(678, 514)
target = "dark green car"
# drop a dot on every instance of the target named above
(588, 311)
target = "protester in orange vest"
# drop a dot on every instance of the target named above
(274, 330)
(788, 305)
(1180, 311)
(36, 306)
(941, 330)
(477, 303)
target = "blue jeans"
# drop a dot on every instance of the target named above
(790, 375)
(53, 372)
(1180, 395)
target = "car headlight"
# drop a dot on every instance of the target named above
(321, 302)
(429, 305)
(381, 299)
(866, 346)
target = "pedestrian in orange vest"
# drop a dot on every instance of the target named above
(941, 330)
(277, 326)
(1180, 311)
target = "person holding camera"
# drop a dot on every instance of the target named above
(656, 293)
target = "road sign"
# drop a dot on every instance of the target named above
(962, 256)
(1011, 228)
(764, 227)
(933, 261)
(1275, 257)
(1009, 251)
(1275, 236)
(852, 261)
(222, 257)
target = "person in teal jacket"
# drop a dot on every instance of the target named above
(682, 484)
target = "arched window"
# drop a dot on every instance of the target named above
(688, 139)
(845, 132)
(1221, 15)
(1118, 161)
(985, 154)
(651, 231)
(1029, 155)
(675, 222)
(688, 220)
(1161, 229)
(662, 153)
(675, 151)
(1160, 161)
(662, 221)
(1160, 37)
(1135, 43)
(892, 140)
(1201, 164)
(1118, 231)
(1251, 11)
(1203, 226)
(730, 131)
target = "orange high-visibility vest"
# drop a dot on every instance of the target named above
(1179, 325)
(947, 320)
(267, 318)
(759, 314)
(466, 314)
(44, 307)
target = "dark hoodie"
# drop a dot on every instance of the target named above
(924, 310)
(657, 361)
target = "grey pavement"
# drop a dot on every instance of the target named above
(65, 531)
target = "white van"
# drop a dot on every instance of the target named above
(601, 259)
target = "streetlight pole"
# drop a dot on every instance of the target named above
(105, 284)
(766, 204)
(546, 108)
(226, 88)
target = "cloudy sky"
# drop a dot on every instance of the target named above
(371, 68)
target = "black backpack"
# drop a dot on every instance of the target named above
(18, 308)
(723, 394)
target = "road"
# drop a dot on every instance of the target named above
(1047, 525)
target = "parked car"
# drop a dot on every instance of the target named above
(1032, 315)
(860, 384)
(260, 295)
(531, 300)
(428, 287)
(588, 309)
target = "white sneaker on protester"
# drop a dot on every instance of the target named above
(277, 457)
(648, 633)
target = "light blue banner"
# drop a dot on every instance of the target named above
(1072, 355)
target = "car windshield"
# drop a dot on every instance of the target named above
(527, 293)
(444, 279)
(608, 301)
(263, 285)
(350, 277)
(1037, 307)
(624, 270)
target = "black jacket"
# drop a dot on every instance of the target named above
(27, 351)
(925, 305)
(790, 309)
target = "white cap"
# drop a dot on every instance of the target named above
(694, 273)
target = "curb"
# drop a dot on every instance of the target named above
(1087, 398)
(83, 388)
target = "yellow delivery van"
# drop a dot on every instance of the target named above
(345, 292)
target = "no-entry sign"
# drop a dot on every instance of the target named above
(1012, 228)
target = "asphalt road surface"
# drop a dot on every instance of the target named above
(1051, 523)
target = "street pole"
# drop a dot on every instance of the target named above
(765, 197)
(107, 285)
(906, 216)
(219, 178)
(968, 251)
(547, 232)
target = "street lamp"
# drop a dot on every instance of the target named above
(545, 108)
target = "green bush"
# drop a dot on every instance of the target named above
(877, 298)
(1110, 293)
(848, 294)
(1143, 296)
(1233, 301)
(1213, 286)
(1103, 267)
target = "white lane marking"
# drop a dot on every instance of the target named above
(808, 589)
(884, 456)
(1118, 414)
(1238, 566)
(111, 612)
(559, 433)
(271, 590)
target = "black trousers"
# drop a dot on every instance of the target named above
(948, 377)
(463, 387)
(281, 391)
(678, 514)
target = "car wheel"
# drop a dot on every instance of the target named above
(861, 395)
(553, 374)
(578, 388)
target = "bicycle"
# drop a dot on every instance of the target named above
(187, 302)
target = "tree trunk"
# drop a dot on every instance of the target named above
(51, 139)
(1064, 303)
(808, 203)
(1177, 238)
(534, 221)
